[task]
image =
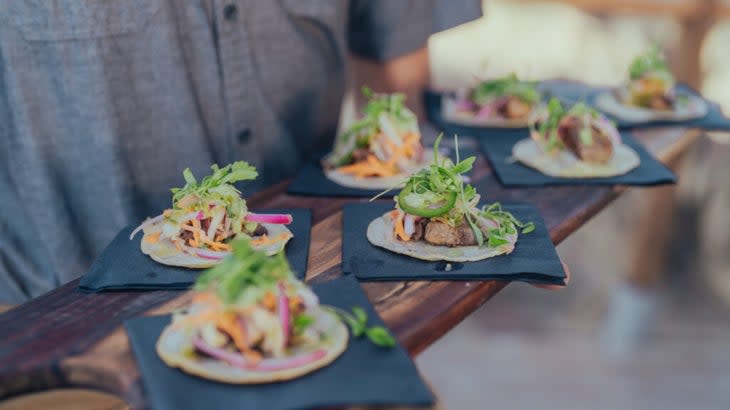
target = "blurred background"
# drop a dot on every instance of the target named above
(608, 341)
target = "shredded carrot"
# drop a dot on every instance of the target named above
(371, 167)
(208, 298)
(228, 322)
(374, 167)
(215, 245)
(269, 301)
(153, 237)
(264, 239)
(398, 226)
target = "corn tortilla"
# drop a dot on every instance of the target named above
(380, 233)
(165, 252)
(175, 346)
(565, 165)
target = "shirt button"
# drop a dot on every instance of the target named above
(244, 136)
(230, 11)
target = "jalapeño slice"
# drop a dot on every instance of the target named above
(427, 205)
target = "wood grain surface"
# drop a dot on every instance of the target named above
(69, 339)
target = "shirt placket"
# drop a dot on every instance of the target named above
(235, 57)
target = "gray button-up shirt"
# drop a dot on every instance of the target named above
(103, 103)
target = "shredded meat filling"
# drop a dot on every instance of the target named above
(260, 230)
(599, 151)
(443, 234)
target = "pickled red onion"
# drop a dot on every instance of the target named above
(237, 360)
(284, 219)
(205, 253)
(283, 309)
(465, 105)
(409, 224)
(145, 224)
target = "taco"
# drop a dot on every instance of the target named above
(381, 149)
(575, 143)
(651, 94)
(436, 217)
(251, 321)
(503, 102)
(206, 216)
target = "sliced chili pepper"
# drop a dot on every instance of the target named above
(428, 210)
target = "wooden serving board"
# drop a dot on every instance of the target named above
(70, 339)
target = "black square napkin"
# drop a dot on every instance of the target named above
(572, 92)
(498, 149)
(123, 266)
(364, 375)
(311, 181)
(534, 259)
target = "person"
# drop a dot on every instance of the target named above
(104, 103)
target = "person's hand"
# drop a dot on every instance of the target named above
(558, 287)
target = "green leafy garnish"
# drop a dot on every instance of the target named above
(547, 127)
(652, 61)
(245, 274)
(302, 322)
(507, 225)
(215, 188)
(438, 189)
(439, 192)
(510, 86)
(211, 184)
(358, 323)
(360, 133)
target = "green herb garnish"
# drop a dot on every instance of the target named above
(510, 86)
(439, 191)
(507, 225)
(547, 128)
(360, 133)
(215, 188)
(216, 184)
(302, 322)
(245, 274)
(358, 323)
(652, 61)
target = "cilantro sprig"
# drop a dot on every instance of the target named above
(359, 134)
(441, 188)
(245, 269)
(231, 173)
(301, 322)
(652, 61)
(358, 323)
(217, 187)
(506, 86)
(547, 126)
(507, 225)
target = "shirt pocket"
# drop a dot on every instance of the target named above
(62, 20)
